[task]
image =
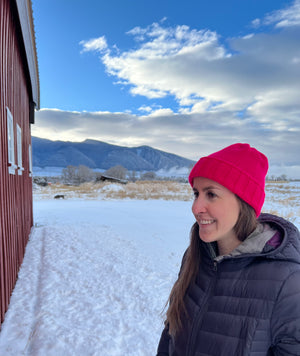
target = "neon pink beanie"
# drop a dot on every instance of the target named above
(240, 168)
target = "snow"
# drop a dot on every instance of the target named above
(95, 278)
(97, 274)
(113, 187)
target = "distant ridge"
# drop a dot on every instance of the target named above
(101, 155)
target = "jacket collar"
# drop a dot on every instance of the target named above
(254, 243)
(288, 250)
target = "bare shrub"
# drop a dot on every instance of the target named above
(116, 172)
(77, 175)
(148, 176)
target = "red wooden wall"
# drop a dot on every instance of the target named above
(16, 217)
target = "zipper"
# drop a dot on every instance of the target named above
(215, 266)
(198, 319)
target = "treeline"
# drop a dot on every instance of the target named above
(281, 178)
(80, 174)
(77, 175)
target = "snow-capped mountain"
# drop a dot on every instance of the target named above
(101, 155)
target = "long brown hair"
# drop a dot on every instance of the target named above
(245, 224)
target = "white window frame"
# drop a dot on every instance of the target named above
(30, 160)
(19, 152)
(10, 143)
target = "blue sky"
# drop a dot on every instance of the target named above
(187, 77)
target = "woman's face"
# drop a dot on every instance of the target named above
(216, 210)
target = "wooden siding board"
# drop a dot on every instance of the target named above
(16, 217)
(3, 18)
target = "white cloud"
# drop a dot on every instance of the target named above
(256, 23)
(288, 17)
(145, 108)
(94, 44)
(162, 112)
(200, 72)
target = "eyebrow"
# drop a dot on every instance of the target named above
(207, 188)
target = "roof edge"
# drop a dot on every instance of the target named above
(27, 27)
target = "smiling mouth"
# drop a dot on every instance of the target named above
(206, 222)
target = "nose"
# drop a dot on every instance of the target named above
(199, 206)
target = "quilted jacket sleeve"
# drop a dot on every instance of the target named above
(163, 346)
(285, 323)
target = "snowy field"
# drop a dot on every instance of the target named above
(97, 272)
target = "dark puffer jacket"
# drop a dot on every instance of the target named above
(247, 304)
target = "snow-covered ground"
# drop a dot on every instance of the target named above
(97, 273)
(95, 278)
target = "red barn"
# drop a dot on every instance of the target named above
(19, 97)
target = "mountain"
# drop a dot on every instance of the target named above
(97, 154)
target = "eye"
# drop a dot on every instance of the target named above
(196, 194)
(211, 195)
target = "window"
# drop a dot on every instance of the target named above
(10, 143)
(19, 146)
(30, 160)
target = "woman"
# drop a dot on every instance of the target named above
(238, 290)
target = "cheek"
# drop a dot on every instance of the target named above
(227, 213)
(194, 209)
(232, 214)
